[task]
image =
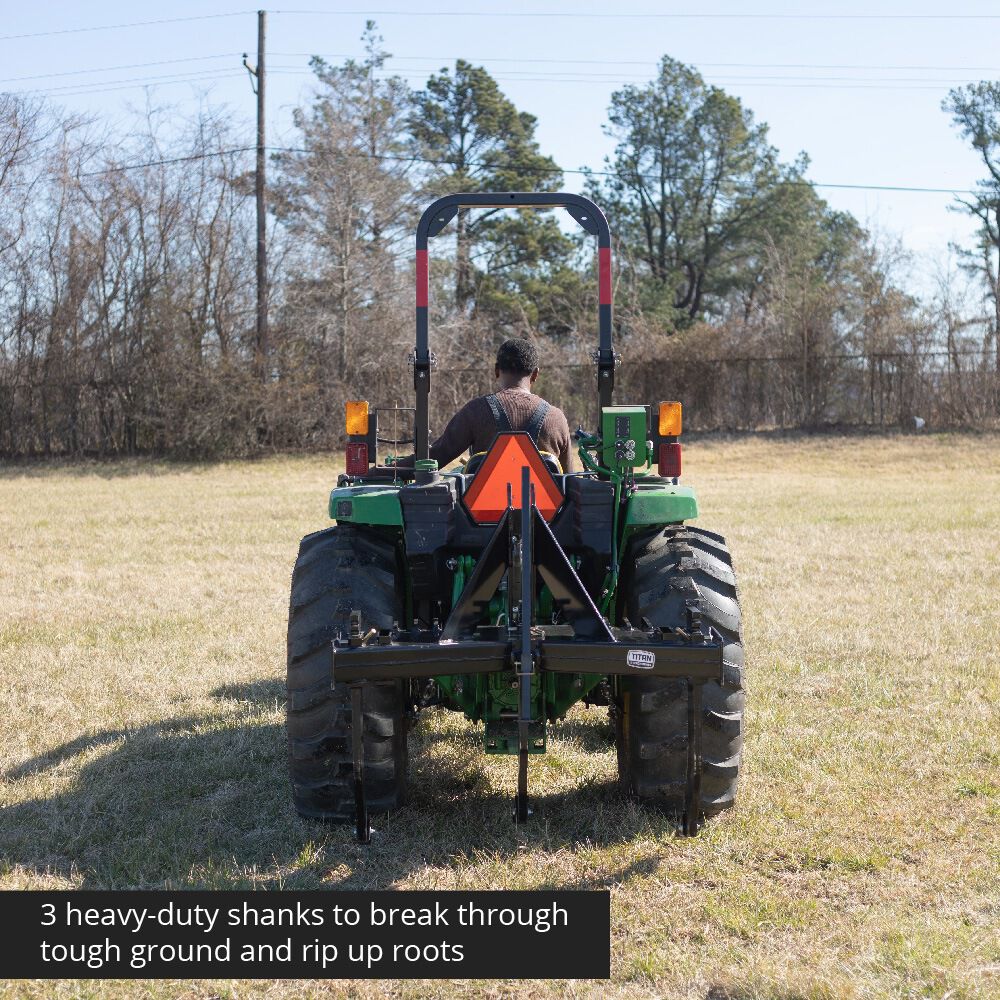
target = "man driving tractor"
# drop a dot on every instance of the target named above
(513, 407)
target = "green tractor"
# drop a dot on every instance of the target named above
(509, 591)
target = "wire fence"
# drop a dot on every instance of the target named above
(214, 413)
(745, 393)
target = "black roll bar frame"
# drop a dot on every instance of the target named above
(433, 221)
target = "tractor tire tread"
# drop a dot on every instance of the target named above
(667, 567)
(339, 570)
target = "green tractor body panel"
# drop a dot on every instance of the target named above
(623, 433)
(379, 506)
(375, 505)
(491, 698)
(660, 505)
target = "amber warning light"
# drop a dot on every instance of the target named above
(670, 419)
(356, 424)
(486, 498)
(356, 416)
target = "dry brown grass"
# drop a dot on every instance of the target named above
(142, 610)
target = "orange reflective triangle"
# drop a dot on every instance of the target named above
(486, 498)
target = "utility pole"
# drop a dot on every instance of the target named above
(257, 81)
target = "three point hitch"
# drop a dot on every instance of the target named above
(523, 549)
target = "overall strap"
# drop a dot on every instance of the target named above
(537, 419)
(499, 414)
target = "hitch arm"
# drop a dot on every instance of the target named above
(362, 824)
(525, 653)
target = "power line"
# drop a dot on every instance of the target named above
(746, 65)
(548, 170)
(519, 74)
(115, 69)
(126, 24)
(728, 80)
(893, 187)
(639, 15)
(561, 77)
(535, 74)
(643, 62)
(110, 86)
(169, 161)
(732, 80)
(138, 81)
(196, 76)
(520, 60)
(512, 75)
(568, 15)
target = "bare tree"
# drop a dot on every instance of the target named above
(345, 198)
(975, 111)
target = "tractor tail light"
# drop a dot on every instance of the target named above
(669, 419)
(356, 417)
(357, 459)
(670, 460)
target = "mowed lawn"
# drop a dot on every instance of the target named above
(142, 618)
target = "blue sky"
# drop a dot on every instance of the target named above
(861, 96)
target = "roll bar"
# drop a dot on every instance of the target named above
(433, 221)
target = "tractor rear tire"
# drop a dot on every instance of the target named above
(340, 570)
(667, 568)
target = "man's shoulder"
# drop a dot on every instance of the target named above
(555, 414)
(555, 419)
(534, 399)
(475, 404)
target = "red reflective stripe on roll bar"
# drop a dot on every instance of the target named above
(604, 275)
(422, 278)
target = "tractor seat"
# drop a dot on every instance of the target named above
(551, 463)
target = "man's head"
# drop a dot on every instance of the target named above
(517, 363)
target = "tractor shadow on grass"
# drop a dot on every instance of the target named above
(202, 801)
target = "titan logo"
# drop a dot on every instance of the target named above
(641, 659)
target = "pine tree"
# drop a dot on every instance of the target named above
(475, 139)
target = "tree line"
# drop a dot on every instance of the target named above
(127, 270)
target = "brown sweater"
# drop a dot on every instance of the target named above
(474, 428)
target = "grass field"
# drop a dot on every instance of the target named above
(142, 616)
